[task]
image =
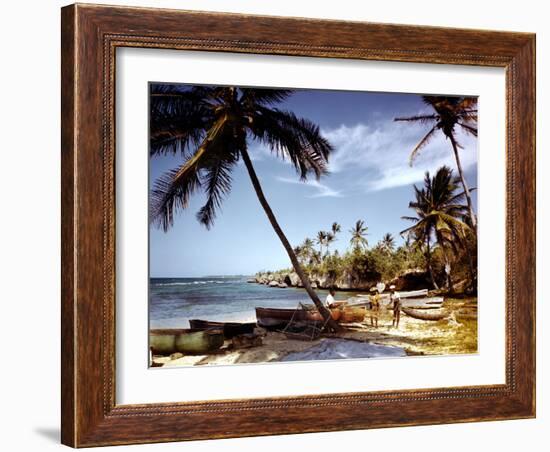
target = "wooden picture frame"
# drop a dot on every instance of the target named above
(90, 36)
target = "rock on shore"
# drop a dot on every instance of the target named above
(410, 280)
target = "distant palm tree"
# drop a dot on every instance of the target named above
(331, 236)
(387, 243)
(438, 215)
(307, 251)
(211, 128)
(358, 235)
(450, 112)
(307, 245)
(322, 238)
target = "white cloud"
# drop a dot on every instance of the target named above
(322, 190)
(382, 151)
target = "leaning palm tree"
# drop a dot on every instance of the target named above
(358, 235)
(439, 215)
(211, 128)
(450, 112)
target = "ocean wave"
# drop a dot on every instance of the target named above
(193, 283)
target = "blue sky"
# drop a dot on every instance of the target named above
(370, 179)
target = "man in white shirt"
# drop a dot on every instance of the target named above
(330, 297)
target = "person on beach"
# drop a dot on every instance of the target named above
(396, 305)
(374, 309)
(330, 297)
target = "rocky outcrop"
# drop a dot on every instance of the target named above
(411, 280)
(319, 281)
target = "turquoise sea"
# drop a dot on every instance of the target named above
(173, 301)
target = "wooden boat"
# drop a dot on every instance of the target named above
(426, 314)
(230, 329)
(187, 341)
(247, 341)
(413, 293)
(353, 314)
(277, 318)
(422, 303)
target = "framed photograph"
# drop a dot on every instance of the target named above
(281, 225)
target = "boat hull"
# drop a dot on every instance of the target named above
(230, 329)
(165, 342)
(353, 315)
(426, 314)
(276, 317)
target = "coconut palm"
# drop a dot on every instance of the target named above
(331, 236)
(307, 251)
(307, 246)
(450, 113)
(211, 128)
(439, 211)
(322, 240)
(387, 243)
(358, 235)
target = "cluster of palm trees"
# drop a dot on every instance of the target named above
(211, 128)
(308, 255)
(440, 216)
(326, 238)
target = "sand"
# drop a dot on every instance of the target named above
(359, 340)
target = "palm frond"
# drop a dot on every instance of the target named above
(415, 219)
(469, 129)
(172, 190)
(177, 134)
(418, 118)
(264, 96)
(294, 138)
(423, 142)
(179, 118)
(217, 184)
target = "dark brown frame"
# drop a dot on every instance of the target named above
(90, 35)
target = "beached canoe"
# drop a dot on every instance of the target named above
(413, 293)
(420, 303)
(426, 314)
(279, 317)
(190, 341)
(230, 329)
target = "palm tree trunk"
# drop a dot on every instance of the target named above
(464, 184)
(473, 277)
(429, 263)
(447, 270)
(297, 267)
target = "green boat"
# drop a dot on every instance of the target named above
(187, 341)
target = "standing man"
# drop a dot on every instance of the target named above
(374, 309)
(396, 304)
